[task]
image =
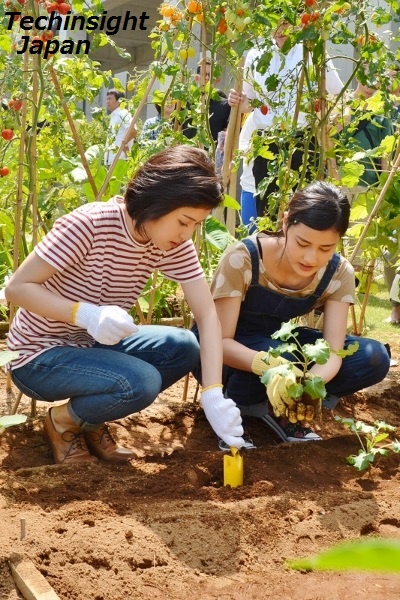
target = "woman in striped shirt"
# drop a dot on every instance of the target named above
(74, 335)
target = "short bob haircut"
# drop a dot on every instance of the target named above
(321, 206)
(180, 176)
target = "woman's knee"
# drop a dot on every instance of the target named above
(378, 358)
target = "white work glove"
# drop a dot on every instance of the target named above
(223, 416)
(106, 324)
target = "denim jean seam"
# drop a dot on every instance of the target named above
(93, 371)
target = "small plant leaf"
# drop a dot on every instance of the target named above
(349, 351)
(7, 356)
(281, 349)
(10, 420)
(366, 554)
(348, 422)
(282, 370)
(295, 390)
(362, 461)
(318, 352)
(396, 446)
(384, 426)
(285, 332)
(315, 387)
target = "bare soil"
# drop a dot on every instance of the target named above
(164, 526)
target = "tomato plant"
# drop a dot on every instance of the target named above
(55, 180)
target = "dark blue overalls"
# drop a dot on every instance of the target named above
(262, 313)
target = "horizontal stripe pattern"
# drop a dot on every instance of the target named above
(97, 261)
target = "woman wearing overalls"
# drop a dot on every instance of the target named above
(270, 278)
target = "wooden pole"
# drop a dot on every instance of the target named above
(72, 125)
(231, 144)
(20, 180)
(381, 197)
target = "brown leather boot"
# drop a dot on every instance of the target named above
(68, 447)
(102, 445)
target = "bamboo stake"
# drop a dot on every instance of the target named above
(371, 267)
(74, 131)
(231, 213)
(33, 154)
(394, 169)
(20, 179)
(152, 296)
(232, 138)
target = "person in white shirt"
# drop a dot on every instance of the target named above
(248, 210)
(120, 121)
(279, 104)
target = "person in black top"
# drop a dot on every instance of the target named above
(218, 109)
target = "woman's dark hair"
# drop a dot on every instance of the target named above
(173, 178)
(320, 206)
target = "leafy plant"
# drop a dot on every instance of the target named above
(304, 355)
(9, 420)
(364, 555)
(370, 438)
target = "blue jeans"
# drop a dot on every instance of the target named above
(248, 210)
(105, 383)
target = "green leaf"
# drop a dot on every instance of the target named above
(285, 331)
(7, 356)
(230, 202)
(282, 370)
(282, 348)
(349, 351)
(10, 420)
(366, 555)
(265, 153)
(295, 390)
(315, 387)
(352, 172)
(318, 352)
(216, 234)
(362, 461)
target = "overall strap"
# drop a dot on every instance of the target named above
(255, 260)
(321, 287)
(327, 276)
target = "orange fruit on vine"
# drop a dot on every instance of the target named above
(167, 10)
(194, 7)
(222, 26)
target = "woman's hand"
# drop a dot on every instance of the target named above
(223, 416)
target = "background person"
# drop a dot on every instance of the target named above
(73, 333)
(120, 121)
(153, 126)
(218, 107)
(278, 104)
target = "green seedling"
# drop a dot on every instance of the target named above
(371, 438)
(305, 356)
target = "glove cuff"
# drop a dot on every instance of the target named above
(258, 366)
(83, 314)
(210, 394)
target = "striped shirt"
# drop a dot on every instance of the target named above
(97, 261)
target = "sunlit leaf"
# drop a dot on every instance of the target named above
(364, 555)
